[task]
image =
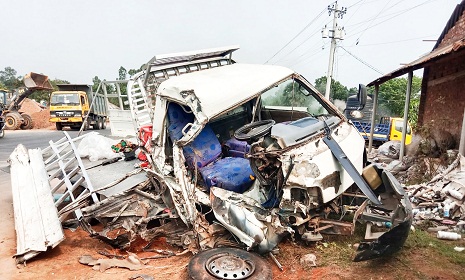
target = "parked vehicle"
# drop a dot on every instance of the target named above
(388, 129)
(265, 152)
(74, 105)
(12, 114)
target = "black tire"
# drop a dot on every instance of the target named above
(12, 121)
(104, 123)
(59, 126)
(2, 132)
(96, 125)
(197, 267)
(27, 122)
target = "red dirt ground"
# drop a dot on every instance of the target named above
(62, 263)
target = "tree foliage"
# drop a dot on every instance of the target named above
(392, 98)
(338, 91)
(9, 79)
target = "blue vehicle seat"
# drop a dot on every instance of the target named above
(230, 173)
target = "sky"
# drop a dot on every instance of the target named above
(78, 40)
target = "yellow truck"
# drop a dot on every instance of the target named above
(72, 103)
(386, 130)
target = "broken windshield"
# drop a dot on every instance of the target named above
(65, 99)
(292, 95)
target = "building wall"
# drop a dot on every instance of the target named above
(444, 102)
(443, 90)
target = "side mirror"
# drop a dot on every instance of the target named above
(362, 95)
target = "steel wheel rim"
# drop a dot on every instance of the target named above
(229, 266)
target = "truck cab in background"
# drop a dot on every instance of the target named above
(386, 129)
(70, 105)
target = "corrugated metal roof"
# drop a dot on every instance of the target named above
(451, 22)
(420, 63)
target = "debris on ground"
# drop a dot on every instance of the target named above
(95, 147)
(308, 260)
(102, 265)
(441, 200)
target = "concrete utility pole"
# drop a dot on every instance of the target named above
(336, 33)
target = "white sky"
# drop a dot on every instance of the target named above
(77, 40)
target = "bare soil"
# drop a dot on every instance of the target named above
(40, 115)
(333, 262)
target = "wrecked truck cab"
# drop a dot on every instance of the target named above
(270, 156)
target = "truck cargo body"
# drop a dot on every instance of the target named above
(388, 129)
(70, 105)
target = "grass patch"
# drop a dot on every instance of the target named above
(440, 248)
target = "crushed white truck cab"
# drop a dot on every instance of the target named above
(264, 151)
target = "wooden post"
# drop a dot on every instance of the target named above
(462, 137)
(373, 116)
(407, 105)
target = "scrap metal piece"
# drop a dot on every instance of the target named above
(275, 261)
(247, 219)
(141, 276)
(67, 175)
(36, 219)
(400, 219)
(104, 264)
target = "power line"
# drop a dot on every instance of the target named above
(362, 61)
(393, 42)
(298, 46)
(395, 15)
(300, 32)
(371, 22)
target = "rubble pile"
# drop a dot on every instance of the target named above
(441, 200)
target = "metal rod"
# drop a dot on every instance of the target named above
(275, 261)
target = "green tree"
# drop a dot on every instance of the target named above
(338, 91)
(9, 79)
(392, 98)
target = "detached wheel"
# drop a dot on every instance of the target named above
(27, 121)
(228, 263)
(12, 121)
(59, 126)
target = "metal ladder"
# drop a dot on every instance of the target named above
(67, 175)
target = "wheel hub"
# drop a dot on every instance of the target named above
(229, 266)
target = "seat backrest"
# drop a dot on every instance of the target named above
(204, 149)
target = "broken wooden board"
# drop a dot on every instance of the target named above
(36, 219)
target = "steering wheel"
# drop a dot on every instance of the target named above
(253, 130)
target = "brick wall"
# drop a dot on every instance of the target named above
(444, 101)
(443, 89)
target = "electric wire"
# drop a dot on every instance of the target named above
(301, 44)
(362, 61)
(298, 34)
